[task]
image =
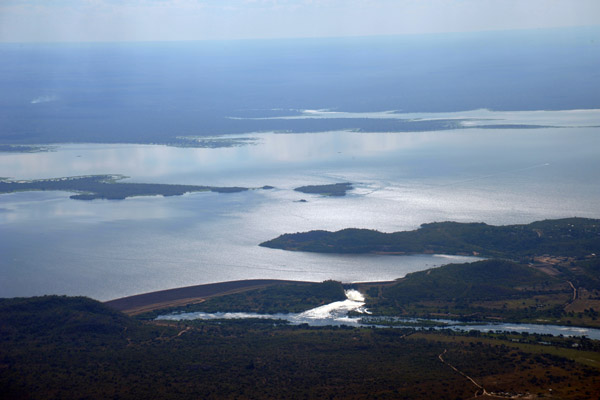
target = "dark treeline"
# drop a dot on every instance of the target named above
(73, 348)
(573, 237)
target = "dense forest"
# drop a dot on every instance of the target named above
(73, 348)
(494, 290)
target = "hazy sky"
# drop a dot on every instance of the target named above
(132, 20)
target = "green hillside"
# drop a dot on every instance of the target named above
(76, 348)
(573, 237)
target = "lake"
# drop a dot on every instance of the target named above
(152, 92)
(107, 249)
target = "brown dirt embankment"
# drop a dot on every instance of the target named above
(141, 303)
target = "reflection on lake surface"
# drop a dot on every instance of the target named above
(554, 118)
(108, 249)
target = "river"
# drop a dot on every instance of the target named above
(336, 314)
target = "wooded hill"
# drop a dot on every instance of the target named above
(493, 290)
(569, 237)
(76, 348)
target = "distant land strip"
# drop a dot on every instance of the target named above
(141, 303)
(18, 148)
(107, 187)
(335, 189)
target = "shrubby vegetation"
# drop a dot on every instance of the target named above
(71, 348)
(494, 290)
(583, 273)
(486, 289)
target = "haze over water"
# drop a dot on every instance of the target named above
(107, 249)
(429, 149)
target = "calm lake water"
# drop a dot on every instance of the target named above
(486, 170)
(107, 249)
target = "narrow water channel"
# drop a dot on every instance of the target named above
(336, 314)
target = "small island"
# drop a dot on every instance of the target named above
(335, 189)
(107, 187)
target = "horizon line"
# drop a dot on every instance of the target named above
(308, 38)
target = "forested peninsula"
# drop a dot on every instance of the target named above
(542, 272)
(569, 237)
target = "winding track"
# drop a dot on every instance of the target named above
(481, 392)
